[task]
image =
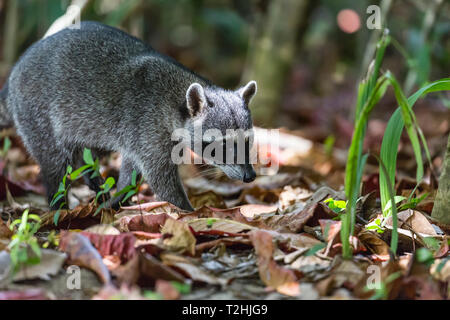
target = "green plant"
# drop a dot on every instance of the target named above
(131, 189)
(316, 248)
(24, 247)
(370, 91)
(64, 186)
(382, 292)
(106, 187)
(62, 192)
(391, 139)
(337, 206)
(6, 147)
(183, 288)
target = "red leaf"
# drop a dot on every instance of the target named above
(121, 245)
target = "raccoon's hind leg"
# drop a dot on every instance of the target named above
(53, 168)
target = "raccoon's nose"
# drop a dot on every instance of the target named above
(249, 176)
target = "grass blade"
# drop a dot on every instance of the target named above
(391, 139)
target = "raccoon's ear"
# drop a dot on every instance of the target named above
(248, 92)
(195, 99)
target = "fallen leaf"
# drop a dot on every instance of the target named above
(51, 263)
(415, 220)
(148, 223)
(82, 253)
(440, 269)
(375, 244)
(191, 270)
(254, 210)
(178, 236)
(104, 229)
(225, 241)
(223, 227)
(27, 294)
(270, 272)
(145, 268)
(294, 221)
(166, 290)
(208, 198)
(80, 217)
(121, 245)
(5, 232)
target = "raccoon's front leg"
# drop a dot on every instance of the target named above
(163, 177)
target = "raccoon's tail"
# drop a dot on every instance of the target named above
(6, 120)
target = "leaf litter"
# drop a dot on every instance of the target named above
(275, 238)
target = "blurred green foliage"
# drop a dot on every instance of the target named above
(213, 37)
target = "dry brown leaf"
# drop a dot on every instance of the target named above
(27, 294)
(166, 290)
(224, 227)
(104, 229)
(270, 272)
(178, 236)
(415, 220)
(440, 270)
(5, 232)
(149, 222)
(375, 244)
(254, 210)
(51, 263)
(294, 221)
(80, 217)
(193, 271)
(208, 198)
(147, 269)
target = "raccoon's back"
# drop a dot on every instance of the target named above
(72, 57)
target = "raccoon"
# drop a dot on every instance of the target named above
(97, 87)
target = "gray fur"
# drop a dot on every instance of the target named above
(100, 88)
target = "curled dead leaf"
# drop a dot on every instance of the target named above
(82, 253)
(270, 272)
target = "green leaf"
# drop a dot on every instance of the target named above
(315, 249)
(391, 139)
(424, 255)
(87, 156)
(109, 183)
(80, 172)
(129, 195)
(55, 200)
(56, 217)
(6, 145)
(394, 236)
(388, 207)
(183, 288)
(133, 178)
(123, 191)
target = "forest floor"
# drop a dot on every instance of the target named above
(275, 238)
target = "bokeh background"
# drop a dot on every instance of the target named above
(307, 56)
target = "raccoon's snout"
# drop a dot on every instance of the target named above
(249, 176)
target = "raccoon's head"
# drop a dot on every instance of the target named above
(221, 127)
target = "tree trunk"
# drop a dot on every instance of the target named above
(270, 56)
(441, 209)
